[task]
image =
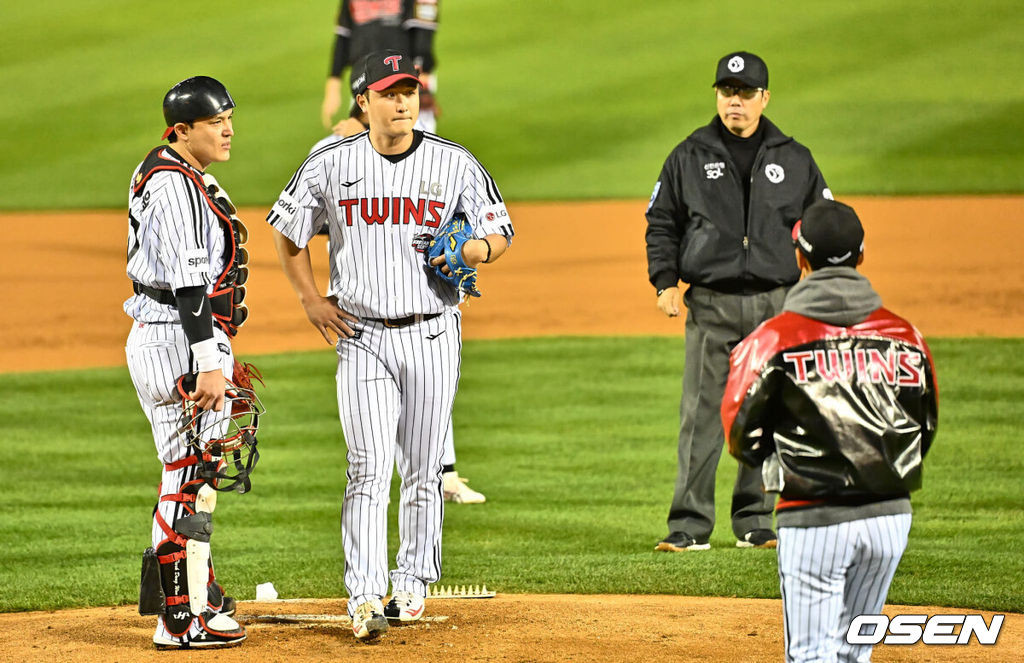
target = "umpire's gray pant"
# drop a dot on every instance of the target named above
(715, 323)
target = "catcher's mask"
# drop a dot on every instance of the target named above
(225, 441)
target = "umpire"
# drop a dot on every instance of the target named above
(720, 220)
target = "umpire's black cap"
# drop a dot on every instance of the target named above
(194, 98)
(744, 67)
(829, 235)
(382, 69)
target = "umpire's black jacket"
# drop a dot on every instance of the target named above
(697, 231)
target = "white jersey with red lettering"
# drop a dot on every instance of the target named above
(378, 209)
(398, 375)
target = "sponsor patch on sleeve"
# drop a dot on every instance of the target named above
(197, 261)
(493, 219)
(286, 206)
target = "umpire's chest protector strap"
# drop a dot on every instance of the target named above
(227, 297)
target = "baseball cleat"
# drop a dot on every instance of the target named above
(209, 631)
(369, 621)
(405, 607)
(456, 490)
(680, 542)
(758, 538)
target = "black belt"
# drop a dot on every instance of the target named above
(743, 286)
(406, 321)
(163, 296)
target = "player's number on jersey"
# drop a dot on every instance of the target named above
(133, 236)
(133, 231)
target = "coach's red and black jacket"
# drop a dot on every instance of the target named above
(840, 412)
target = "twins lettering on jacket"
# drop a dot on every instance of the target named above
(396, 211)
(898, 368)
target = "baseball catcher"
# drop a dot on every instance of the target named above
(188, 266)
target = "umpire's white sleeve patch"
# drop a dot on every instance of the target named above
(654, 195)
(196, 261)
(287, 206)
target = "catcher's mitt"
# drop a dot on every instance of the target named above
(448, 243)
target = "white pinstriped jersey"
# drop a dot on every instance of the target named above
(174, 240)
(375, 207)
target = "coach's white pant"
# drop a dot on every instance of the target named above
(395, 393)
(831, 574)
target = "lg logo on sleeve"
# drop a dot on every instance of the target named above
(934, 630)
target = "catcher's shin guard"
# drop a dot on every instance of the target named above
(186, 579)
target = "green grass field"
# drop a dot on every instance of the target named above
(571, 439)
(560, 100)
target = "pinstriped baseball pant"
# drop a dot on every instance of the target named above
(396, 388)
(831, 574)
(158, 354)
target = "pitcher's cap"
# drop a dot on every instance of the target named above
(382, 69)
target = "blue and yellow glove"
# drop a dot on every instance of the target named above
(448, 243)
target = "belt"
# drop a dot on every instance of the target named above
(165, 297)
(406, 321)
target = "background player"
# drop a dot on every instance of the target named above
(364, 26)
(719, 219)
(383, 194)
(180, 244)
(837, 397)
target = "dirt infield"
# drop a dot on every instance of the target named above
(948, 264)
(507, 628)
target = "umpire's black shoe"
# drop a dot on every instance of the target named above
(680, 542)
(758, 538)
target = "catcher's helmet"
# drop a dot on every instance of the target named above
(195, 98)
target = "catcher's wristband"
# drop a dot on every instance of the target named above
(207, 355)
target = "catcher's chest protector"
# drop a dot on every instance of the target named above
(228, 296)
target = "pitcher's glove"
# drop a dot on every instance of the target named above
(448, 243)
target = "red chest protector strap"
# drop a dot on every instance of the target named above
(228, 296)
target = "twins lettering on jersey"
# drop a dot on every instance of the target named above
(899, 368)
(396, 210)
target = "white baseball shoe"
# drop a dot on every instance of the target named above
(456, 490)
(405, 607)
(369, 621)
(212, 630)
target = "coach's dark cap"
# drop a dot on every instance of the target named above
(382, 69)
(829, 235)
(743, 67)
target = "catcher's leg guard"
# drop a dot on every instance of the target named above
(188, 620)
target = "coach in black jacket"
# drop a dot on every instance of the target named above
(720, 220)
(836, 400)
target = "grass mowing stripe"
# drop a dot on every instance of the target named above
(572, 440)
(890, 97)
